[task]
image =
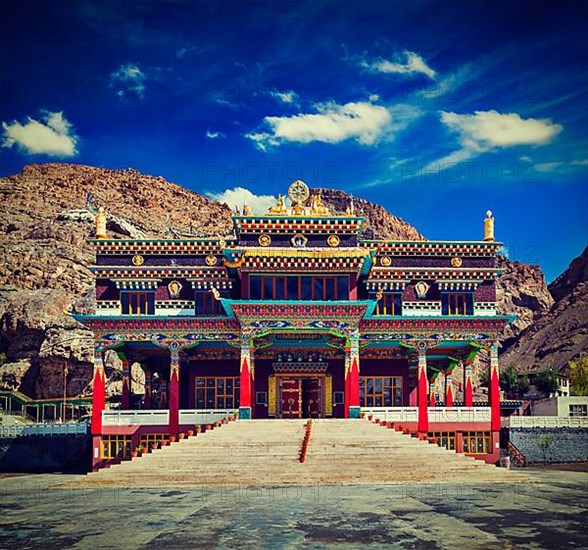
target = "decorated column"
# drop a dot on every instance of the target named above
(147, 398)
(468, 390)
(98, 390)
(245, 381)
(352, 405)
(448, 388)
(494, 389)
(174, 390)
(423, 413)
(125, 402)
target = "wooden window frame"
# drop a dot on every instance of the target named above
(364, 395)
(235, 395)
(473, 439)
(109, 446)
(445, 439)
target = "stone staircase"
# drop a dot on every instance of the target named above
(266, 453)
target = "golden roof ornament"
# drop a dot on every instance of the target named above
(101, 223)
(317, 207)
(298, 192)
(489, 227)
(279, 208)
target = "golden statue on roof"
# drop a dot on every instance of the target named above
(280, 207)
(317, 207)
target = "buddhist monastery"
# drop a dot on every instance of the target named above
(295, 315)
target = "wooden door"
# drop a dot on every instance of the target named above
(311, 398)
(291, 398)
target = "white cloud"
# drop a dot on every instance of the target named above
(289, 96)
(128, 80)
(364, 122)
(211, 134)
(239, 196)
(52, 136)
(485, 130)
(406, 63)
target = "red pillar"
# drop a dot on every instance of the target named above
(352, 404)
(174, 391)
(98, 391)
(494, 389)
(423, 416)
(245, 383)
(468, 391)
(125, 401)
(448, 390)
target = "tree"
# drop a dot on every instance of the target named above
(547, 381)
(578, 373)
(523, 384)
(509, 379)
(545, 444)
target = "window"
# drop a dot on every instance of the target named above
(578, 410)
(145, 440)
(476, 443)
(138, 303)
(298, 287)
(389, 304)
(380, 391)
(207, 305)
(458, 303)
(116, 446)
(444, 439)
(217, 392)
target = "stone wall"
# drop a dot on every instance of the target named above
(64, 453)
(569, 444)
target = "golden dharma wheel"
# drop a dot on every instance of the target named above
(298, 192)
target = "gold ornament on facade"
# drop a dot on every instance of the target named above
(421, 289)
(385, 261)
(279, 208)
(489, 227)
(101, 223)
(211, 260)
(456, 262)
(299, 240)
(138, 259)
(333, 240)
(174, 289)
(264, 240)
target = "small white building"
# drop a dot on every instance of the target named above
(568, 406)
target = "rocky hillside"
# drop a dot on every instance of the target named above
(561, 333)
(379, 222)
(44, 260)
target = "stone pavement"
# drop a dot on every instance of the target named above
(549, 513)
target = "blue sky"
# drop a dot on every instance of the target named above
(437, 111)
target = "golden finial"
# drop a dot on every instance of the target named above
(101, 223)
(489, 227)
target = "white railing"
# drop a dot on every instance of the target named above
(45, 429)
(392, 414)
(436, 414)
(205, 416)
(135, 418)
(547, 421)
(423, 307)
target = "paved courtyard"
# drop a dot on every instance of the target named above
(548, 513)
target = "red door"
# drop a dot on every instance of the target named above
(291, 398)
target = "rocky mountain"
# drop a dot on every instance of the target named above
(561, 333)
(44, 261)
